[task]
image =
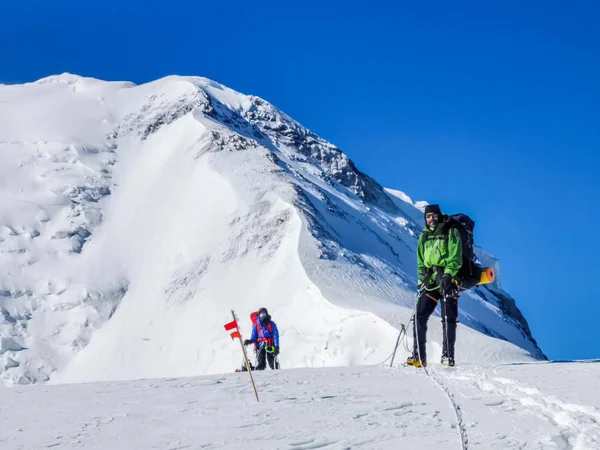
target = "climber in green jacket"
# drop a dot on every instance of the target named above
(439, 257)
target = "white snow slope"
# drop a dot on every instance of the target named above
(537, 406)
(134, 218)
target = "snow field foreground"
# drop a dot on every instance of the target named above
(532, 406)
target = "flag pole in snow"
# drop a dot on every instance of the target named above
(238, 334)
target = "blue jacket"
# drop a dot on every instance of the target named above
(258, 332)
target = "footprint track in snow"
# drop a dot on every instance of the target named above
(578, 426)
(309, 444)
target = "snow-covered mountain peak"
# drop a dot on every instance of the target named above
(83, 83)
(133, 218)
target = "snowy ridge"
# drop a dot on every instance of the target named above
(135, 217)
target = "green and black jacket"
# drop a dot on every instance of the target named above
(439, 252)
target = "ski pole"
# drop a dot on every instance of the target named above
(415, 326)
(413, 318)
(446, 348)
(446, 343)
(402, 330)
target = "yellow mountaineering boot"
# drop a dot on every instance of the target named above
(414, 361)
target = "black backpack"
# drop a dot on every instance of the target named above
(469, 274)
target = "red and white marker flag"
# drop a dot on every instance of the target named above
(233, 325)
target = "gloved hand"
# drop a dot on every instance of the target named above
(276, 352)
(447, 284)
(247, 342)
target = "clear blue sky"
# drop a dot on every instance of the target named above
(490, 111)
